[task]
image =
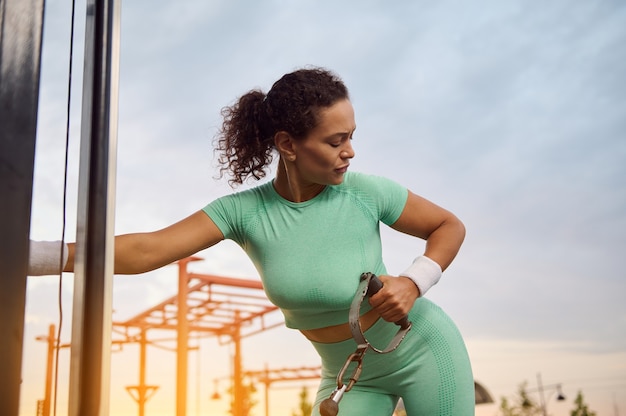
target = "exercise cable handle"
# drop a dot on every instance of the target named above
(369, 285)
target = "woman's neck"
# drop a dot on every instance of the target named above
(288, 185)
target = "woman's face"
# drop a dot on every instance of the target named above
(324, 155)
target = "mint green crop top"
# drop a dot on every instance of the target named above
(310, 255)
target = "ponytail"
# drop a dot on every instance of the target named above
(245, 139)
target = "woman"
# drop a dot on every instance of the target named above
(311, 233)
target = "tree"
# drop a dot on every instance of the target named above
(581, 408)
(306, 407)
(522, 405)
(248, 401)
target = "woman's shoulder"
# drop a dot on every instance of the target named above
(262, 190)
(243, 199)
(366, 180)
(385, 197)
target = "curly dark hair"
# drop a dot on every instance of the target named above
(246, 138)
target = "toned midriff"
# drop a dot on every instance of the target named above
(341, 332)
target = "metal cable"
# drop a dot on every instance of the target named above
(64, 210)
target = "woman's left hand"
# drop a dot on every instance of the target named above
(394, 301)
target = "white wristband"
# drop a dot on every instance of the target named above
(424, 272)
(45, 257)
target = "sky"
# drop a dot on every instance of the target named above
(511, 114)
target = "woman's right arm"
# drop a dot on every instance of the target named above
(141, 252)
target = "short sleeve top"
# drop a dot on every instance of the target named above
(310, 255)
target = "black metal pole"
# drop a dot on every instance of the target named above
(21, 28)
(93, 267)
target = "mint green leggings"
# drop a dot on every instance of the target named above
(430, 369)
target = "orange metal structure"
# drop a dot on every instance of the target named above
(207, 305)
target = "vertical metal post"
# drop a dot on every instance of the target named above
(142, 391)
(182, 350)
(45, 405)
(542, 397)
(267, 390)
(142, 373)
(93, 267)
(47, 400)
(238, 393)
(21, 28)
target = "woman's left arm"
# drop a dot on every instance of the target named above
(442, 230)
(444, 234)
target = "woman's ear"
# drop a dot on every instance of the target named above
(285, 145)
